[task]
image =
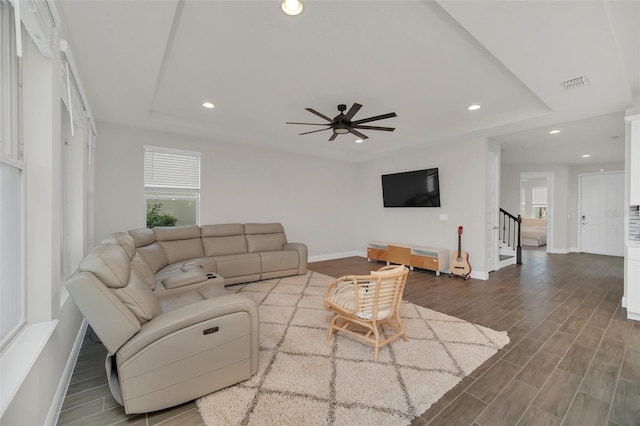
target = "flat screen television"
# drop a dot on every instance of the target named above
(418, 188)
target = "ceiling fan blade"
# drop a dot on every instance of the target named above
(358, 134)
(352, 111)
(313, 111)
(309, 124)
(314, 131)
(333, 136)
(387, 129)
(377, 117)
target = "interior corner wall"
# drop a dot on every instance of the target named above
(462, 175)
(312, 197)
(510, 198)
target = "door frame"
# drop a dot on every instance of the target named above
(496, 199)
(550, 194)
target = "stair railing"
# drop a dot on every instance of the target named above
(509, 232)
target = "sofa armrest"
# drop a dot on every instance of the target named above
(181, 318)
(184, 278)
(302, 252)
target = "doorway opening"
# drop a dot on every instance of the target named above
(536, 209)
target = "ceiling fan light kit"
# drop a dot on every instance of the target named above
(343, 123)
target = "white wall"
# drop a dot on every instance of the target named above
(313, 198)
(462, 194)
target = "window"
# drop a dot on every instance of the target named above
(539, 202)
(172, 179)
(12, 235)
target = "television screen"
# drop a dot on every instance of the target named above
(419, 188)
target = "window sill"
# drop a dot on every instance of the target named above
(18, 358)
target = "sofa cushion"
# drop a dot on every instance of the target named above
(144, 270)
(221, 240)
(109, 262)
(222, 230)
(221, 246)
(125, 240)
(171, 233)
(143, 237)
(238, 265)
(180, 242)
(279, 260)
(154, 255)
(139, 298)
(264, 237)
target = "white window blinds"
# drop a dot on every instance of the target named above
(39, 21)
(166, 168)
(539, 195)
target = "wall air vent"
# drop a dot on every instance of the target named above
(576, 82)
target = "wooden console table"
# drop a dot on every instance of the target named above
(431, 258)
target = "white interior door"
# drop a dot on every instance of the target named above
(602, 213)
(491, 249)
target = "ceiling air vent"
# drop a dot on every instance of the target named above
(576, 82)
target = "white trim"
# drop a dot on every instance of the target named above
(156, 148)
(574, 250)
(18, 358)
(479, 275)
(557, 251)
(331, 256)
(624, 301)
(63, 385)
(18, 28)
(633, 316)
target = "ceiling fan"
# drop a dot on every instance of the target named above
(343, 123)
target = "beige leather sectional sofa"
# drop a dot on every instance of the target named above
(157, 300)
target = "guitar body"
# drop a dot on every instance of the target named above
(460, 259)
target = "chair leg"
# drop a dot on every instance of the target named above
(377, 342)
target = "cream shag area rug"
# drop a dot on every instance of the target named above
(303, 379)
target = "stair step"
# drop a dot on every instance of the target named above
(505, 257)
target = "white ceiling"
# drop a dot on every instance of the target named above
(151, 64)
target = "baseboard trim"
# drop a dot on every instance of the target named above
(479, 275)
(63, 385)
(558, 251)
(574, 250)
(624, 302)
(633, 316)
(332, 256)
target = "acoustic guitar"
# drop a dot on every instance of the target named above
(460, 260)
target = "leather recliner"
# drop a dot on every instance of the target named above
(167, 347)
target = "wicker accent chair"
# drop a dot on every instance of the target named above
(368, 301)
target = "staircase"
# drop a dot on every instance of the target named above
(509, 239)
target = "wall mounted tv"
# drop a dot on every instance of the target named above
(418, 188)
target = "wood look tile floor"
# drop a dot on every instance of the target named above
(573, 359)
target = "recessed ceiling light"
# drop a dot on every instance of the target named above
(208, 105)
(292, 7)
(359, 141)
(586, 155)
(553, 132)
(473, 107)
